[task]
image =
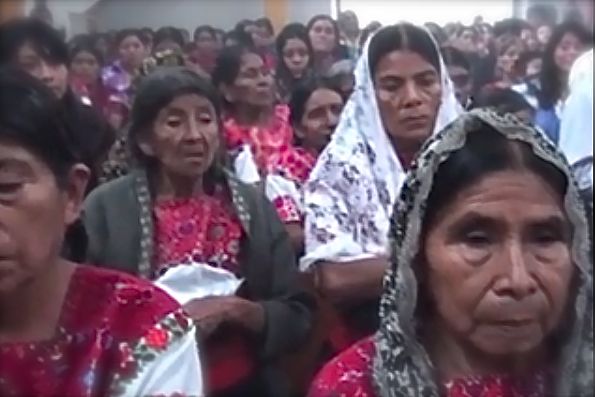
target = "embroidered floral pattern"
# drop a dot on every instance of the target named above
(266, 143)
(201, 229)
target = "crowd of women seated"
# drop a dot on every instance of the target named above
(239, 217)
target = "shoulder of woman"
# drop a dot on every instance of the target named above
(113, 189)
(348, 374)
(124, 306)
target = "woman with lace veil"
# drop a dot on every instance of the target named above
(402, 96)
(490, 289)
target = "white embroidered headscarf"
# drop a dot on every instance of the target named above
(351, 191)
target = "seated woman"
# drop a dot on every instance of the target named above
(296, 59)
(402, 95)
(490, 291)
(251, 118)
(316, 106)
(180, 206)
(69, 329)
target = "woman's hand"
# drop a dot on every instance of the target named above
(209, 313)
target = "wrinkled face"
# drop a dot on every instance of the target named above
(408, 92)
(296, 57)
(254, 84)
(85, 66)
(34, 214)
(132, 51)
(53, 75)
(567, 51)
(461, 79)
(321, 116)
(323, 36)
(499, 264)
(185, 137)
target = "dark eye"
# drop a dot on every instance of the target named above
(546, 237)
(8, 188)
(476, 238)
(174, 123)
(205, 118)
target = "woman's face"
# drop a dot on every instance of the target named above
(167, 45)
(34, 214)
(408, 92)
(323, 36)
(529, 39)
(253, 85)
(85, 66)
(205, 42)
(543, 34)
(508, 59)
(185, 137)
(462, 81)
(567, 51)
(467, 41)
(498, 264)
(132, 51)
(53, 75)
(321, 116)
(296, 57)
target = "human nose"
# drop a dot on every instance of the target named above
(412, 96)
(45, 73)
(516, 281)
(194, 132)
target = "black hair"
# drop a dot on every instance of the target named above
(551, 79)
(510, 26)
(454, 57)
(486, 151)
(403, 36)
(32, 116)
(503, 100)
(229, 63)
(156, 91)
(46, 41)
(240, 37)
(243, 24)
(125, 33)
(302, 93)
(85, 44)
(291, 31)
(202, 29)
(324, 17)
(168, 33)
(266, 24)
(439, 34)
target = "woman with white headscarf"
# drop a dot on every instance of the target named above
(402, 96)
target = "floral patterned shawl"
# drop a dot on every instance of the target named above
(401, 366)
(351, 191)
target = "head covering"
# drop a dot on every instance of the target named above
(352, 189)
(576, 129)
(401, 366)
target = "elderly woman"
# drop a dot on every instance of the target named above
(490, 291)
(69, 329)
(181, 207)
(402, 96)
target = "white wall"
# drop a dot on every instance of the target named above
(187, 14)
(303, 10)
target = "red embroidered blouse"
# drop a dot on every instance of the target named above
(266, 143)
(350, 375)
(107, 319)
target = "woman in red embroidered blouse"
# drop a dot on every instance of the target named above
(489, 293)
(69, 329)
(252, 119)
(178, 211)
(316, 106)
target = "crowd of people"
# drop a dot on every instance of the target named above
(324, 211)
